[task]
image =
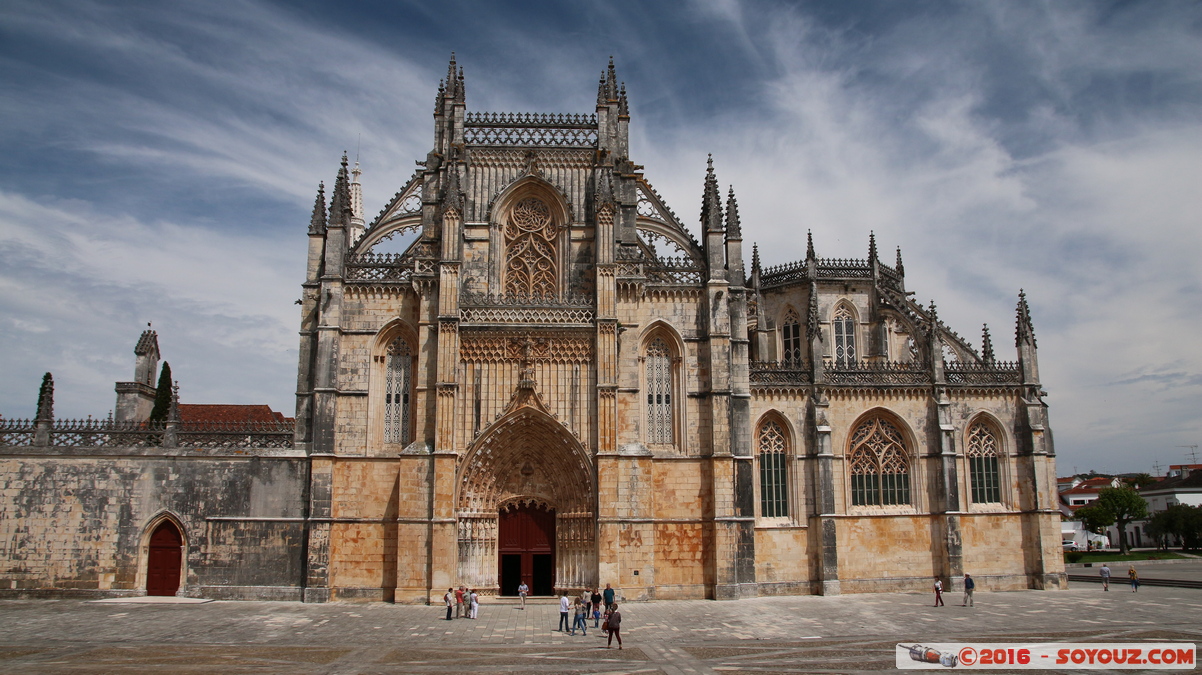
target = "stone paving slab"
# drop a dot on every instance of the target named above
(850, 633)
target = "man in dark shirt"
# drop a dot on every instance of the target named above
(609, 595)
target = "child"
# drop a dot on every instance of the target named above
(578, 620)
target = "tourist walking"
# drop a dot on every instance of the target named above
(581, 611)
(523, 589)
(969, 585)
(596, 600)
(565, 605)
(449, 598)
(459, 602)
(613, 624)
(475, 604)
(1105, 574)
(1134, 577)
(608, 595)
(938, 593)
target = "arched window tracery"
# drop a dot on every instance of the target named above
(844, 329)
(880, 469)
(983, 473)
(530, 260)
(398, 387)
(774, 482)
(658, 367)
(790, 331)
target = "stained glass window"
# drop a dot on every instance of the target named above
(845, 338)
(659, 392)
(983, 465)
(397, 388)
(880, 472)
(774, 486)
(791, 339)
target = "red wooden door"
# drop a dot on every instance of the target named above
(164, 562)
(527, 531)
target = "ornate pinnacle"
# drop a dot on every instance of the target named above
(871, 246)
(604, 192)
(442, 92)
(173, 409)
(812, 316)
(986, 345)
(623, 105)
(755, 258)
(900, 268)
(317, 222)
(711, 203)
(460, 88)
(340, 202)
(601, 89)
(734, 229)
(1023, 329)
(934, 314)
(810, 255)
(611, 82)
(452, 197)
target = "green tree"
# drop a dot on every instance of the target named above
(1139, 480)
(1095, 518)
(1124, 505)
(46, 398)
(162, 395)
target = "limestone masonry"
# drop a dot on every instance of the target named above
(526, 368)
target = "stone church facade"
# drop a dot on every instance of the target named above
(551, 380)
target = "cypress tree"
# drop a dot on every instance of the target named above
(162, 395)
(45, 398)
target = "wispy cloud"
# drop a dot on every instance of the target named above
(159, 164)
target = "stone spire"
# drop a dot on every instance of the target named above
(356, 195)
(454, 88)
(711, 202)
(871, 246)
(452, 197)
(986, 345)
(611, 82)
(810, 255)
(1023, 329)
(317, 222)
(901, 269)
(340, 202)
(755, 266)
(623, 105)
(734, 229)
(173, 409)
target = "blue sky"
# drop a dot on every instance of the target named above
(158, 161)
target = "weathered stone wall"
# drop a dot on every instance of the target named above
(74, 522)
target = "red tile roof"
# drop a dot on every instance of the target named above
(225, 413)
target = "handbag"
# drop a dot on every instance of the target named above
(605, 625)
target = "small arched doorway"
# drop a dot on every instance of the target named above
(165, 560)
(526, 548)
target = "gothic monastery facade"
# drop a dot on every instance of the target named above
(551, 380)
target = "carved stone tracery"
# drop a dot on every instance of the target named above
(530, 260)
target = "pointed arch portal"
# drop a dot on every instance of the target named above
(525, 506)
(164, 560)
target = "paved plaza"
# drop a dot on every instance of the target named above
(765, 635)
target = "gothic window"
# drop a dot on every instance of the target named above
(845, 338)
(774, 486)
(659, 392)
(880, 472)
(791, 338)
(530, 233)
(397, 387)
(983, 465)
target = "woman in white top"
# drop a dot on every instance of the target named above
(475, 604)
